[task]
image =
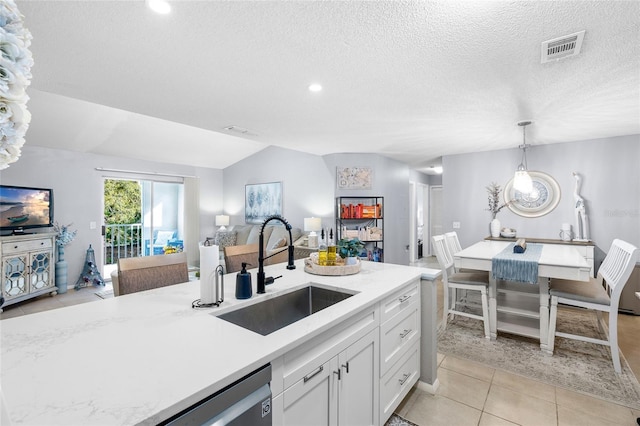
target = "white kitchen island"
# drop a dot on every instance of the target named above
(141, 358)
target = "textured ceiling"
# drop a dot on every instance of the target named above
(409, 80)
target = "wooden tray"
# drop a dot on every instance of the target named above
(314, 268)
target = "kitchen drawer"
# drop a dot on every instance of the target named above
(25, 246)
(397, 335)
(397, 383)
(400, 301)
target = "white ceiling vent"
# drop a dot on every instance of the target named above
(562, 47)
(240, 130)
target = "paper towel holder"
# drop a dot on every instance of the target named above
(218, 291)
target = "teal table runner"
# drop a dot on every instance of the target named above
(521, 267)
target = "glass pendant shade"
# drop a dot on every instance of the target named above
(522, 181)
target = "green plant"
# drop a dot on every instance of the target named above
(350, 247)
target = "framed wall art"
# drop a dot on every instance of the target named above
(262, 200)
(354, 177)
(542, 200)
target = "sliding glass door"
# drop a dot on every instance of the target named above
(141, 218)
(162, 217)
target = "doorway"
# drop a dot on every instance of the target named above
(435, 212)
(418, 217)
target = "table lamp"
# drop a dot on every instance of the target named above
(312, 224)
(222, 220)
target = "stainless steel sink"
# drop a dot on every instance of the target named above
(273, 314)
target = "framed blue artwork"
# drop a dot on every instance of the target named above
(262, 200)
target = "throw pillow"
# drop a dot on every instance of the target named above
(225, 238)
(163, 238)
(280, 243)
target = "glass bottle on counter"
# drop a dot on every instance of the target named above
(331, 250)
(322, 250)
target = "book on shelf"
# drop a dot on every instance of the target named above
(360, 211)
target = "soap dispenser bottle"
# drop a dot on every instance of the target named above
(243, 283)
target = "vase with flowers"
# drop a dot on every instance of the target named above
(64, 237)
(494, 207)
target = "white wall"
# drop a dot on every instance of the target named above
(610, 186)
(307, 184)
(78, 192)
(391, 181)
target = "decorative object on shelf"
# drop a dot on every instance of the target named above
(354, 177)
(544, 197)
(261, 201)
(494, 207)
(311, 225)
(349, 249)
(580, 209)
(90, 273)
(15, 71)
(222, 220)
(565, 232)
(522, 179)
(64, 236)
(508, 233)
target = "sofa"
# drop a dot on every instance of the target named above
(276, 237)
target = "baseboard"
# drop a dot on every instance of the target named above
(429, 388)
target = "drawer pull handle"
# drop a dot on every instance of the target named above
(405, 377)
(404, 298)
(338, 373)
(312, 375)
(404, 333)
(346, 366)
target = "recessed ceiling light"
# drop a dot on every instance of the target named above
(159, 6)
(315, 87)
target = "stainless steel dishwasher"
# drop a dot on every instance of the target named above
(246, 402)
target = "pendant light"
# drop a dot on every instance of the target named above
(522, 181)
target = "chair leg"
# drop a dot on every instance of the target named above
(445, 306)
(600, 321)
(613, 340)
(553, 315)
(485, 313)
(453, 300)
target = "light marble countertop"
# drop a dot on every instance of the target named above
(140, 358)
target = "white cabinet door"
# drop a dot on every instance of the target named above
(313, 400)
(359, 381)
(342, 391)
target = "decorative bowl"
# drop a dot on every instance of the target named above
(508, 233)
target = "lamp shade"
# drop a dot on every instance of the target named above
(312, 224)
(222, 220)
(522, 182)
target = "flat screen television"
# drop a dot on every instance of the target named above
(23, 208)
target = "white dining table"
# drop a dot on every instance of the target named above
(512, 305)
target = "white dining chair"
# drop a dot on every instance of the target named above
(453, 245)
(600, 294)
(453, 281)
(452, 242)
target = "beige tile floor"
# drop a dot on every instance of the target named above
(469, 393)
